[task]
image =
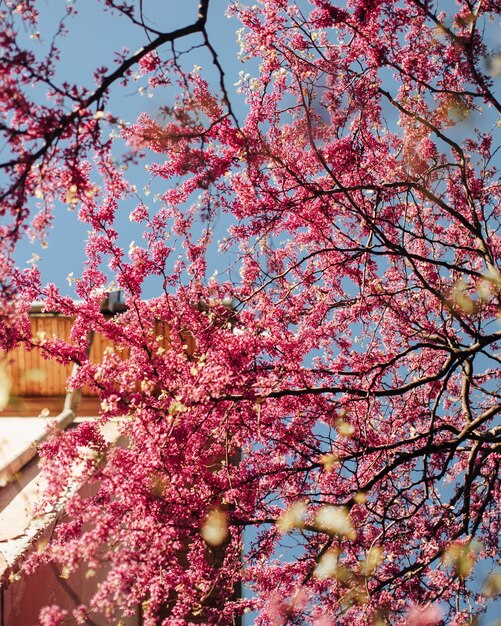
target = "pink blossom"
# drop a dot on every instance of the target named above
(424, 615)
(52, 616)
(310, 341)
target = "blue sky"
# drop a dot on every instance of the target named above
(93, 38)
(92, 41)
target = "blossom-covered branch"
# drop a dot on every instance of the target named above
(335, 385)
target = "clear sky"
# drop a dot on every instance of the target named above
(93, 38)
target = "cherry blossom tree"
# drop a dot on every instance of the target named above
(332, 395)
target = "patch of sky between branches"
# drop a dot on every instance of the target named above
(100, 36)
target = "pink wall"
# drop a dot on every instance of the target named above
(22, 599)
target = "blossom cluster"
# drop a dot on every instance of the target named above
(318, 422)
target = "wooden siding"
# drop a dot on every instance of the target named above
(32, 376)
